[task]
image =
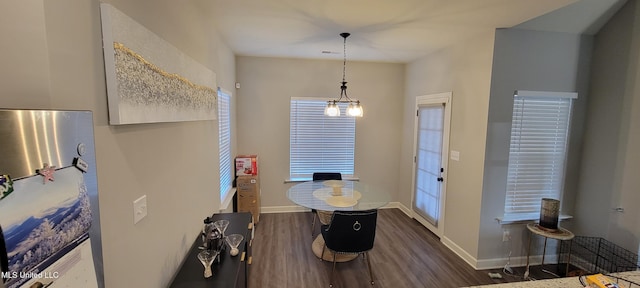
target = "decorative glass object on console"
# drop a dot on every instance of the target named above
(212, 237)
(221, 225)
(234, 241)
(207, 230)
(206, 257)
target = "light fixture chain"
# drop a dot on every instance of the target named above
(344, 62)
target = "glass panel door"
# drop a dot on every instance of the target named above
(428, 163)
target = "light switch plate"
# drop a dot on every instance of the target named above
(455, 155)
(139, 209)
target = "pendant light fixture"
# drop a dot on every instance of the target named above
(354, 109)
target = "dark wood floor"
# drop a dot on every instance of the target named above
(405, 254)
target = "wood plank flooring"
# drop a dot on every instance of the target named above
(405, 254)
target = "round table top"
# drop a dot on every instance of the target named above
(560, 233)
(331, 195)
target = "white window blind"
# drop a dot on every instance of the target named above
(319, 143)
(537, 154)
(224, 142)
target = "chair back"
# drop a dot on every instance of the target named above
(327, 176)
(351, 231)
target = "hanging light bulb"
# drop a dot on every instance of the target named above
(354, 109)
(332, 109)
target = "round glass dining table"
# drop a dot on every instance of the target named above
(331, 195)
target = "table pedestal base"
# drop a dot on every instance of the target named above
(317, 246)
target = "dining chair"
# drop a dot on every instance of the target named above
(327, 176)
(319, 176)
(350, 232)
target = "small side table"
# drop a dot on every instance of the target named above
(560, 234)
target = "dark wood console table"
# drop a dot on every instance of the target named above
(232, 272)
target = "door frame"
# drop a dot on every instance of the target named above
(429, 99)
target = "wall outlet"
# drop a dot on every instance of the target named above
(506, 236)
(139, 209)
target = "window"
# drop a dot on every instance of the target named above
(537, 153)
(224, 144)
(319, 143)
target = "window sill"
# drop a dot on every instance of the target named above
(224, 204)
(528, 218)
(300, 180)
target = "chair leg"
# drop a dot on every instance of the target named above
(366, 255)
(313, 224)
(333, 270)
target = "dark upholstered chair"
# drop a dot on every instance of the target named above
(321, 176)
(350, 232)
(327, 176)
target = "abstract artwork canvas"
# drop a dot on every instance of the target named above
(148, 79)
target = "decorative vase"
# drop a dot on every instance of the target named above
(549, 213)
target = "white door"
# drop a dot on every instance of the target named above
(431, 149)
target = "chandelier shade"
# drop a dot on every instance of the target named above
(332, 109)
(354, 109)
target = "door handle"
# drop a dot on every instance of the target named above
(440, 179)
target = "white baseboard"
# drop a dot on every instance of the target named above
(496, 263)
(400, 206)
(460, 252)
(283, 209)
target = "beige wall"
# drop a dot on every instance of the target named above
(539, 61)
(624, 228)
(23, 58)
(554, 62)
(267, 85)
(54, 61)
(611, 159)
(465, 70)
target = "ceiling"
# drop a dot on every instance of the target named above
(390, 31)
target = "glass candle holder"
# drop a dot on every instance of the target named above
(206, 257)
(221, 225)
(234, 241)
